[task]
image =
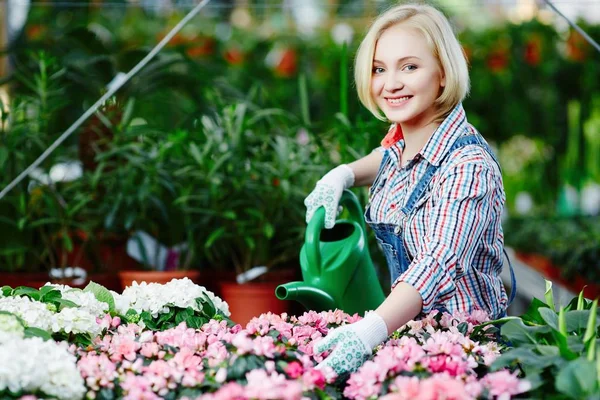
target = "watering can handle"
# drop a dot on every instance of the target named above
(312, 239)
(317, 223)
(350, 201)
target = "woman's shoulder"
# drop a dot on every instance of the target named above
(475, 154)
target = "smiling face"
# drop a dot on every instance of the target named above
(407, 78)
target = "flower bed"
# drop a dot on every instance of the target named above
(180, 344)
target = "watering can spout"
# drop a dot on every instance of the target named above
(309, 296)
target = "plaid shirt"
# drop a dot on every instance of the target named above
(454, 234)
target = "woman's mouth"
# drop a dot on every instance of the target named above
(397, 101)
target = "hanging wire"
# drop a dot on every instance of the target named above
(575, 26)
(111, 90)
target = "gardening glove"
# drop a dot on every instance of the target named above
(328, 192)
(353, 343)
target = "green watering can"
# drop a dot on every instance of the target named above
(336, 265)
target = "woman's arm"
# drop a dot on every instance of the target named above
(403, 304)
(365, 169)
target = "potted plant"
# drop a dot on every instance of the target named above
(245, 179)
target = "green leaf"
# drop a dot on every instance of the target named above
(549, 295)
(532, 315)
(577, 320)
(6, 291)
(62, 303)
(214, 236)
(577, 379)
(517, 332)
(102, 294)
(592, 324)
(27, 291)
(526, 356)
(550, 318)
(48, 296)
(37, 332)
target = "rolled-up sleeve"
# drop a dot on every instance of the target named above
(463, 203)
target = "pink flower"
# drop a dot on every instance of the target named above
(503, 384)
(407, 387)
(116, 321)
(294, 369)
(229, 391)
(124, 347)
(313, 378)
(149, 350)
(442, 386)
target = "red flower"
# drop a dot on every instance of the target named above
(287, 64)
(497, 60)
(276, 182)
(35, 32)
(234, 56)
(533, 51)
(205, 46)
(576, 46)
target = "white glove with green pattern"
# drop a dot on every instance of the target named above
(353, 343)
(328, 192)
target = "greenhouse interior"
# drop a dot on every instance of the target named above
(299, 199)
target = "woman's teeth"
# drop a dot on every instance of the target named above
(398, 100)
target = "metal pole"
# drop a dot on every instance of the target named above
(575, 26)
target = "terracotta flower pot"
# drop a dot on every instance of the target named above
(251, 299)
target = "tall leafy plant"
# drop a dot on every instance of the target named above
(557, 349)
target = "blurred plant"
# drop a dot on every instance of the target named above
(33, 213)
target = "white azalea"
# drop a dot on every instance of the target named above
(156, 298)
(33, 313)
(85, 300)
(75, 320)
(36, 365)
(10, 327)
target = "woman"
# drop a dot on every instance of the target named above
(436, 196)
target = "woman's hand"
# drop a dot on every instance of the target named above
(328, 192)
(353, 343)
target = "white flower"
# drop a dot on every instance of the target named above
(10, 327)
(37, 314)
(75, 320)
(342, 33)
(590, 199)
(36, 365)
(33, 313)
(85, 300)
(523, 203)
(156, 298)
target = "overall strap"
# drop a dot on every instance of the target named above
(432, 169)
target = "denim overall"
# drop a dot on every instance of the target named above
(390, 237)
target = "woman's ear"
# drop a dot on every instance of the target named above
(443, 80)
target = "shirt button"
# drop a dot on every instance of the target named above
(397, 230)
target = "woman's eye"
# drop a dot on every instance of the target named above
(377, 70)
(410, 67)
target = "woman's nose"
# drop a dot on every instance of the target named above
(393, 82)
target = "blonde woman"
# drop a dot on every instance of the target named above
(436, 196)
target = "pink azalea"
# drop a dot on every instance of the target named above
(313, 378)
(406, 387)
(503, 384)
(230, 391)
(294, 369)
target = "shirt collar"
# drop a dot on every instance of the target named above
(440, 141)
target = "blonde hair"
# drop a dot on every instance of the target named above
(442, 41)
